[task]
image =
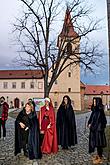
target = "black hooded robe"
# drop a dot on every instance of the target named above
(66, 127)
(98, 123)
(31, 137)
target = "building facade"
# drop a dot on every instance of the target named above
(90, 91)
(19, 85)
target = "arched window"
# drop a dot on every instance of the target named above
(69, 48)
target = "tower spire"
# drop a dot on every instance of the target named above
(68, 29)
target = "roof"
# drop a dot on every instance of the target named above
(97, 89)
(82, 85)
(20, 74)
(68, 29)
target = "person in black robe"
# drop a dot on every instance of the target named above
(27, 133)
(66, 125)
(97, 124)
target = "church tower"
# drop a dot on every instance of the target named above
(69, 38)
(68, 34)
(68, 82)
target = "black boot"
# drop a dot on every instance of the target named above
(26, 153)
(65, 147)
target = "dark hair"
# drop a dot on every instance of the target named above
(68, 98)
(2, 98)
(98, 101)
(29, 99)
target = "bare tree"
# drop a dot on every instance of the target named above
(39, 47)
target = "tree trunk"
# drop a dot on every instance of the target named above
(46, 91)
(46, 88)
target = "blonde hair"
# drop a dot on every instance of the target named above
(31, 105)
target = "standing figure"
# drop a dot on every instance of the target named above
(66, 125)
(27, 133)
(3, 115)
(97, 123)
(48, 128)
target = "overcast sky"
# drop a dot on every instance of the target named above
(9, 9)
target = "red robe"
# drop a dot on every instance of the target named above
(49, 144)
(5, 111)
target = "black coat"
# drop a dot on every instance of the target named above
(98, 123)
(31, 136)
(66, 126)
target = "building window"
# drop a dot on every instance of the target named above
(69, 74)
(56, 82)
(5, 85)
(69, 48)
(13, 85)
(55, 104)
(22, 85)
(69, 89)
(32, 85)
(40, 85)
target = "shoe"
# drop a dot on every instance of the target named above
(65, 148)
(98, 161)
(94, 157)
(26, 153)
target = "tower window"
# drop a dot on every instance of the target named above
(56, 82)
(55, 104)
(69, 74)
(69, 48)
(69, 89)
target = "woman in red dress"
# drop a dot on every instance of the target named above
(48, 128)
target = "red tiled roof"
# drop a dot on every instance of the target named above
(97, 89)
(68, 29)
(82, 85)
(19, 74)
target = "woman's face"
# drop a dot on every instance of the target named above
(94, 102)
(46, 103)
(65, 100)
(28, 108)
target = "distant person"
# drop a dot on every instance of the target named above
(3, 116)
(27, 133)
(97, 124)
(32, 102)
(66, 124)
(48, 128)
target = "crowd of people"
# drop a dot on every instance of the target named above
(43, 133)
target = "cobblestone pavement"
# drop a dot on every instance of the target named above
(77, 155)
